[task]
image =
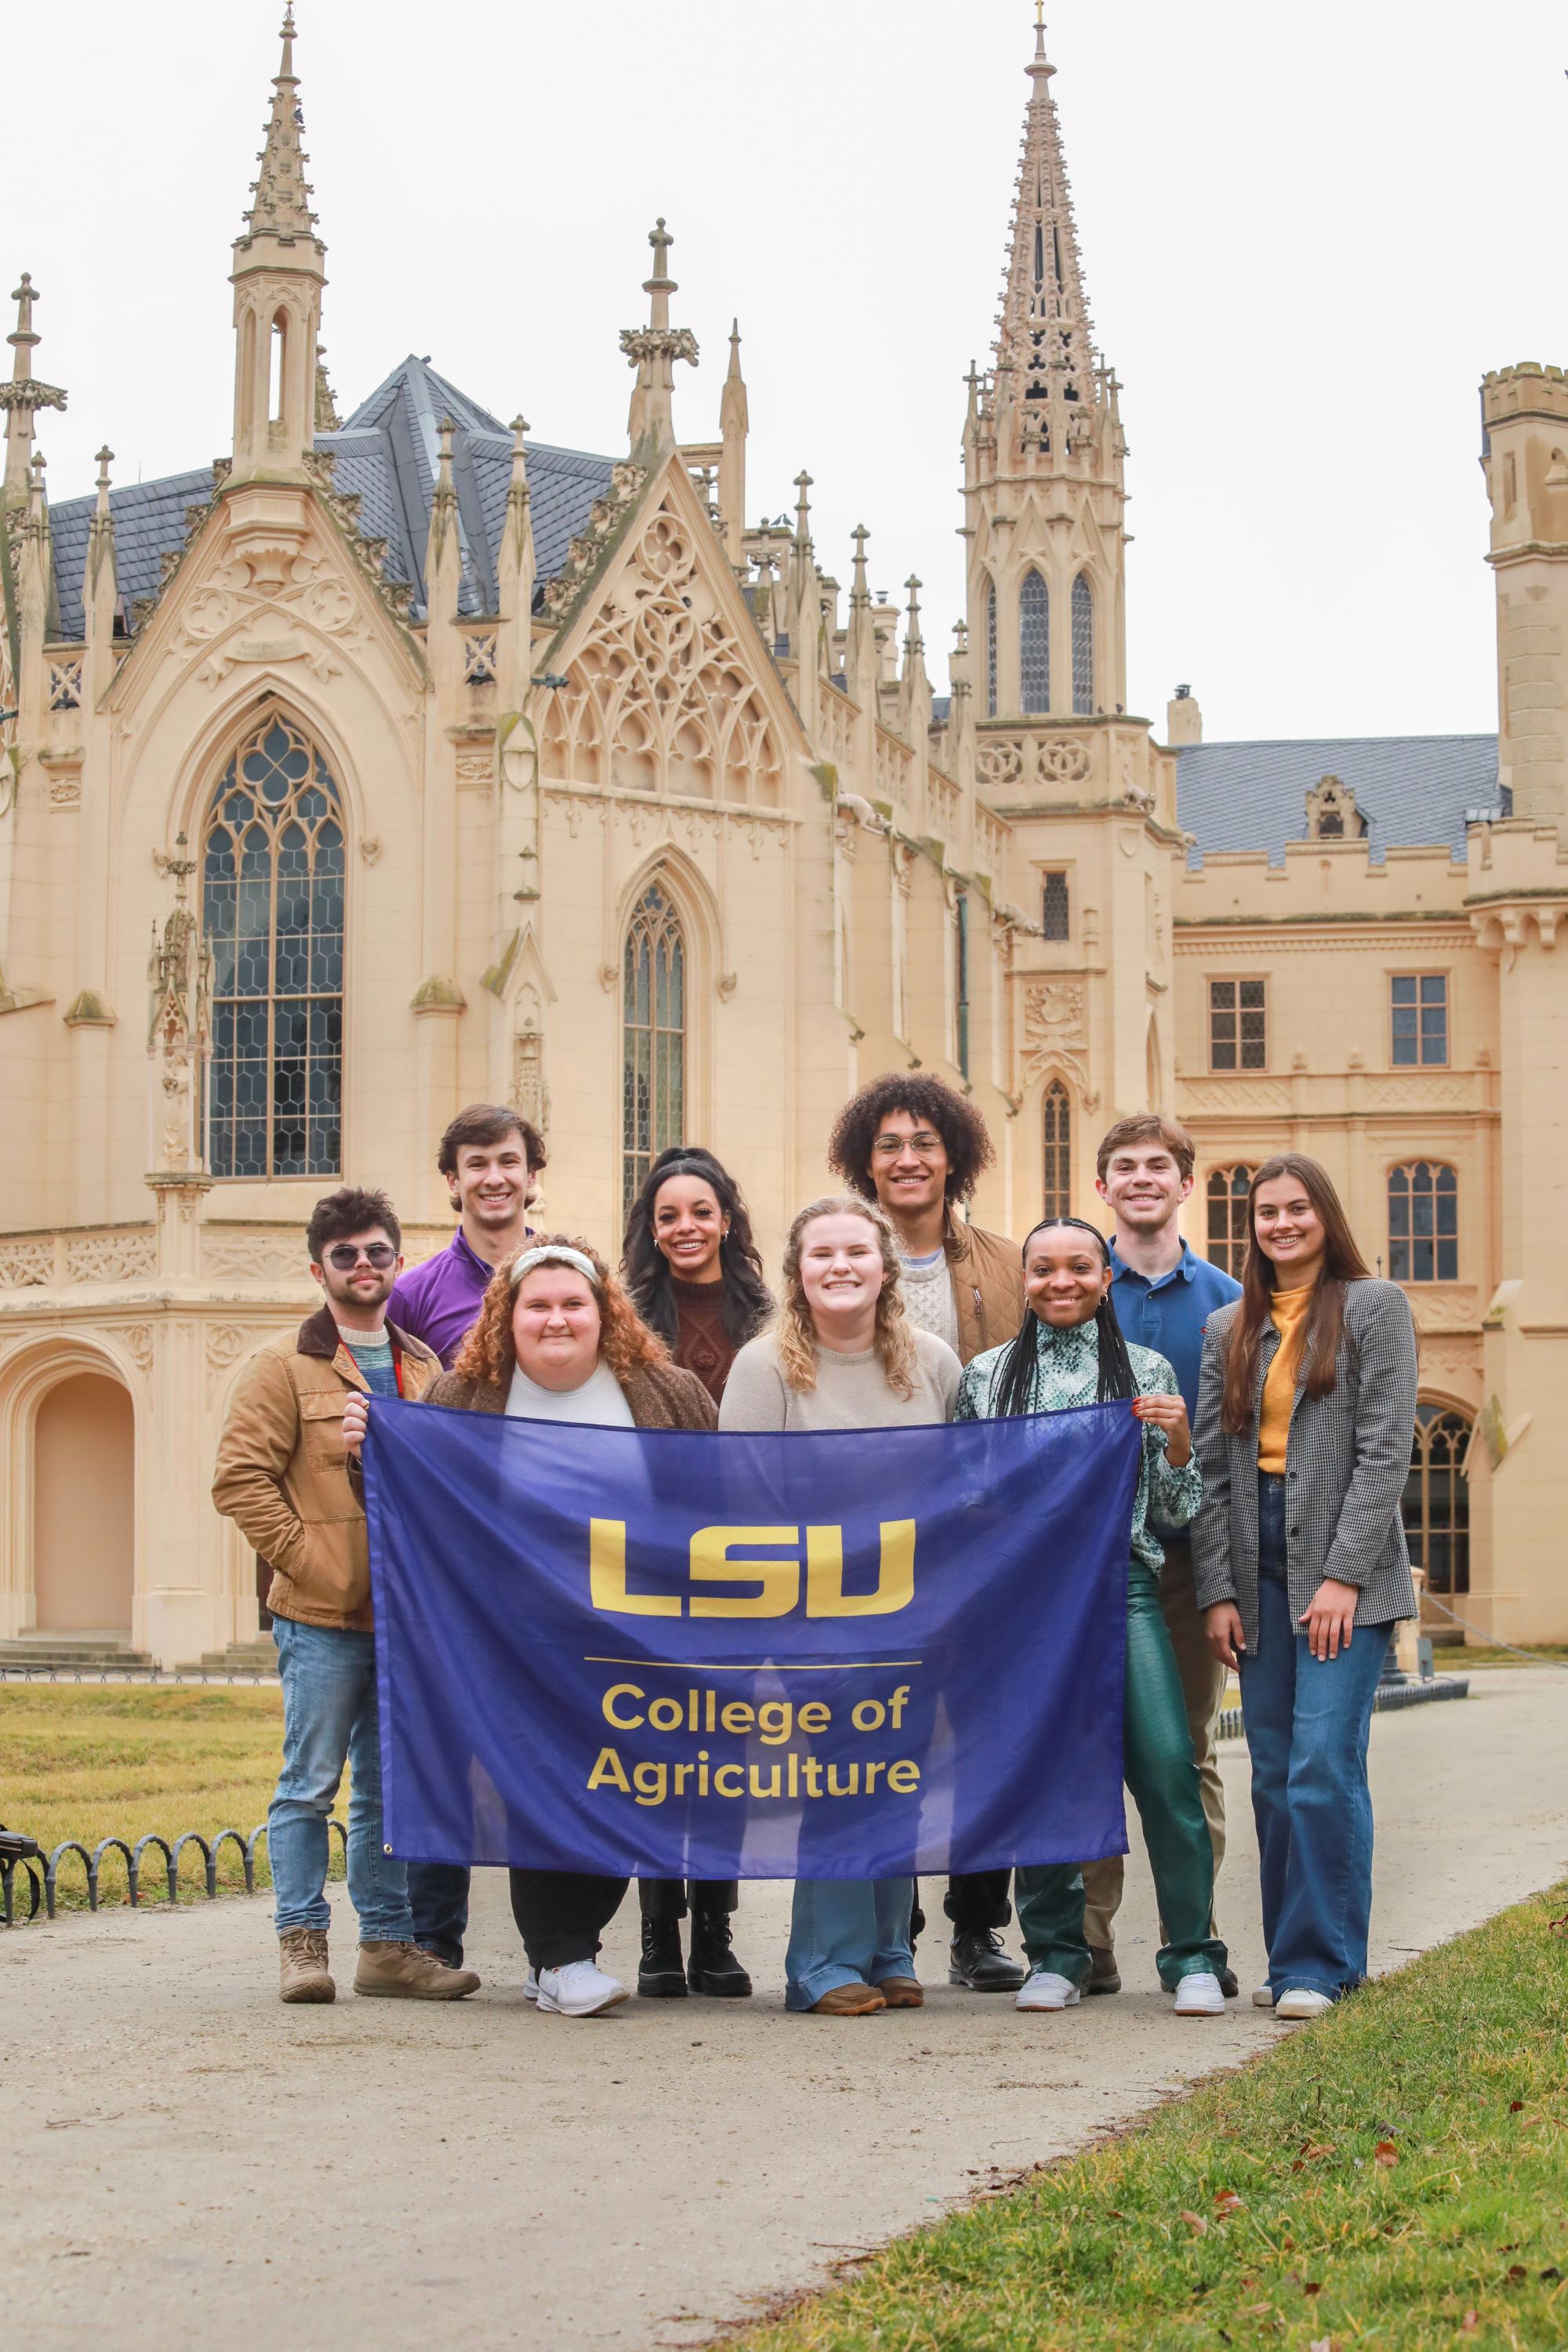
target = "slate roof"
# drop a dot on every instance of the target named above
(388, 452)
(1412, 788)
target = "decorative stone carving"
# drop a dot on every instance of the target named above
(65, 686)
(226, 1344)
(480, 659)
(137, 1340)
(660, 697)
(1000, 766)
(1064, 760)
(1054, 1032)
(65, 790)
(254, 1254)
(370, 847)
(529, 1094)
(27, 1265)
(476, 771)
(179, 975)
(1237, 1096)
(111, 1257)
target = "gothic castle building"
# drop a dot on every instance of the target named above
(437, 763)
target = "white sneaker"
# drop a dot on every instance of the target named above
(530, 1985)
(1200, 1995)
(1043, 1989)
(578, 1990)
(1262, 1996)
(1301, 2000)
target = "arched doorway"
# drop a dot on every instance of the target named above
(1436, 1504)
(84, 1517)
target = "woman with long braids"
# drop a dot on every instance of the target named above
(695, 1276)
(1305, 1406)
(845, 1355)
(1070, 1352)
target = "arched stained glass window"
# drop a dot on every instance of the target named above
(1226, 1195)
(1436, 1504)
(991, 651)
(1034, 644)
(652, 1015)
(1083, 646)
(1423, 1223)
(1056, 1136)
(272, 908)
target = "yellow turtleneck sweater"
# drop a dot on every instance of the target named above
(1288, 1317)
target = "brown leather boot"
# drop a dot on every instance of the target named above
(403, 1972)
(848, 2000)
(303, 1971)
(902, 1992)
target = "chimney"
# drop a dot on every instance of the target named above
(1184, 719)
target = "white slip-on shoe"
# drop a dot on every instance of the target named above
(578, 1990)
(1301, 2000)
(1200, 1995)
(1262, 1996)
(1043, 1989)
(530, 1985)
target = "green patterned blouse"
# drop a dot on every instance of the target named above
(1066, 1373)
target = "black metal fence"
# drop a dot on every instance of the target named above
(41, 1871)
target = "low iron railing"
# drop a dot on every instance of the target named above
(24, 1853)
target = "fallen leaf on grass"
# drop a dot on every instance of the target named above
(1323, 2344)
(1387, 2154)
(1516, 2106)
(1551, 2271)
(1226, 2203)
(1195, 2222)
(1313, 2286)
(1255, 2310)
(1517, 2274)
(1469, 2324)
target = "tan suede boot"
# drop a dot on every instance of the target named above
(848, 2000)
(302, 1972)
(403, 1972)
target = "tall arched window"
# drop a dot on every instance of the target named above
(1436, 1504)
(991, 651)
(1083, 646)
(272, 906)
(1056, 1165)
(1225, 1198)
(653, 1014)
(1034, 644)
(1423, 1223)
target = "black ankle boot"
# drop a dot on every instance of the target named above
(713, 1968)
(660, 1976)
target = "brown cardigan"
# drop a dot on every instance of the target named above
(660, 1396)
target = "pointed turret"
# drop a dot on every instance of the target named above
(279, 269)
(442, 554)
(733, 423)
(914, 686)
(23, 397)
(861, 661)
(100, 590)
(653, 350)
(1044, 338)
(1043, 448)
(514, 572)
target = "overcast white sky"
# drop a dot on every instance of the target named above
(1306, 234)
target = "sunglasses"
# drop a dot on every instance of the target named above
(346, 1255)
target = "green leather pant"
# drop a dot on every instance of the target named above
(1166, 1790)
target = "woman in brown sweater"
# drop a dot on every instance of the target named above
(695, 1277)
(557, 1339)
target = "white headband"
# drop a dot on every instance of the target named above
(552, 1253)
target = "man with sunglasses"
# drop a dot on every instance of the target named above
(283, 1476)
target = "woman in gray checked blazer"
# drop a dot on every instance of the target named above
(1306, 1405)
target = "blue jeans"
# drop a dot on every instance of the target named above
(1307, 1723)
(847, 1931)
(330, 1717)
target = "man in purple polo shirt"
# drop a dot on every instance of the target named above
(491, 1156)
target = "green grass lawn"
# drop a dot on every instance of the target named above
(79, 1761)
(1396, 2176)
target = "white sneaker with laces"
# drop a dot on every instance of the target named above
(578, 1990)
(1200, 1995)
(1262, 1996)
(1300, 2001)
(1043, 1989)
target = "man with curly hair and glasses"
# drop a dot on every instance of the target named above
(918, 1148)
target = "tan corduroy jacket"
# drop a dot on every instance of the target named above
(987, 1272)
(282, 1473)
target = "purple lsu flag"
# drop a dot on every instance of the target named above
(852, 1655)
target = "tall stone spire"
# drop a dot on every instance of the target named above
(278, 276)
(733, 420)
(23, 397)
(1043, 335)
(653, 350)
(1043, 452)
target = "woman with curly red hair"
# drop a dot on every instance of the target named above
(557, 1339)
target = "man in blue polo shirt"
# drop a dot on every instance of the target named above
(1163, 1296)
